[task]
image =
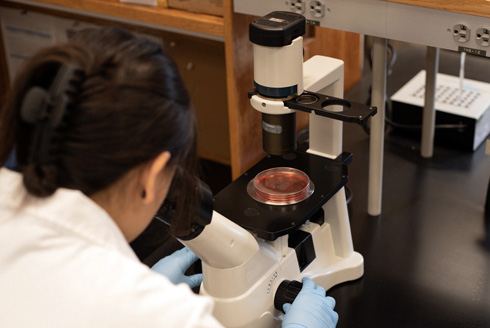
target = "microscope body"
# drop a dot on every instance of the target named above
(242, 271)
(249, 247)
(243, 282)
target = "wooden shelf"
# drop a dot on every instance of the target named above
(165, 17)
(244, 139)
(469, 7)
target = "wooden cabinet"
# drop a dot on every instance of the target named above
(215, 59)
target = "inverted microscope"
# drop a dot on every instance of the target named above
(285, 218)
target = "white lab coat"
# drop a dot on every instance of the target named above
(65, 263)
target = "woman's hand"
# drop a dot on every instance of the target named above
(311, 308)
(175, 265)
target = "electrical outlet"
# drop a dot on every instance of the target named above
(317, 9)
(297, 6)
(483, 36)
(461, 33)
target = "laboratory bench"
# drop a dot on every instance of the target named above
(427, 257)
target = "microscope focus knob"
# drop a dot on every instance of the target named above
(286, 293)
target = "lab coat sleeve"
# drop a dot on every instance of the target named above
(138, 297)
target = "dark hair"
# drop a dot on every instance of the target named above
(130, 106)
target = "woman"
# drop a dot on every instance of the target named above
(100, 126)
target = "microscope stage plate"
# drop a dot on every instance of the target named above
(272, 221)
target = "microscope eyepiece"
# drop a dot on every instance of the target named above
(201, 214)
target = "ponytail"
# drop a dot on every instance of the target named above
(128, 106)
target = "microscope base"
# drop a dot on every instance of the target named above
(244, 295)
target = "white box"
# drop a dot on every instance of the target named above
(467, 107)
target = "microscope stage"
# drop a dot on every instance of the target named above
(272, 221)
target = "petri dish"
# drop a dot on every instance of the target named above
(282, 185)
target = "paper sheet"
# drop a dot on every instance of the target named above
(141, 2)
(26, 32)
(23, 34)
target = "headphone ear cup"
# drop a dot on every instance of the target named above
(33, 103)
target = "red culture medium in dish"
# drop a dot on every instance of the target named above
(282, 184)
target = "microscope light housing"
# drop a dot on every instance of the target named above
(278, 29)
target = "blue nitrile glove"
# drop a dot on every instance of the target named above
(175, 265)
(310, 309)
